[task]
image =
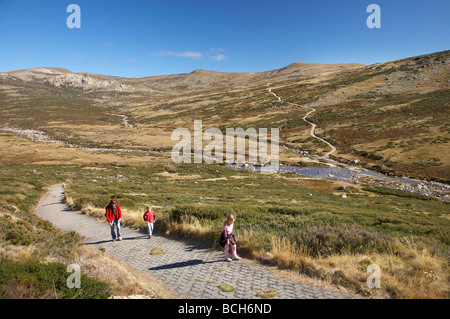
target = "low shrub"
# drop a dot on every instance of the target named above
(32, 279)
(323, 241)
(17, 232)
(396, 192)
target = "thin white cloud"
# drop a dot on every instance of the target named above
(217, 54)
(219, 57)
(213, 54)
(187, 54)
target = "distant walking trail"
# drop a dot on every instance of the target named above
(313, 126)
(188, 270)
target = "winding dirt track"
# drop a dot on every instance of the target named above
(313, 126)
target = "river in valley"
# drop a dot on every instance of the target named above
(358, 175)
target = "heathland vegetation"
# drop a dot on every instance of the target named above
(392, 117)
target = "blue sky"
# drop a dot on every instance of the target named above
(138, 38)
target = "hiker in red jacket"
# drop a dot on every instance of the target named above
(114, 217)
(149, 218)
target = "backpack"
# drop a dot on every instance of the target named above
(223, 240)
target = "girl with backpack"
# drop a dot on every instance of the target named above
(228, 239)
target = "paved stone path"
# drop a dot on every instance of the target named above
(187, 270)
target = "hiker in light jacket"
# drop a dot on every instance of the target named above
(114, 217)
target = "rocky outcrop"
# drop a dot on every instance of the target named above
(64, 78)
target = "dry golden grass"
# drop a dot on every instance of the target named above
(130, 218)
(427, 278)
(123, 279)
(190, 229)
(144, 136)
(16, 253)
(15, 149)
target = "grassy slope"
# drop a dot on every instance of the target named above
(304, 224)
(392, 116)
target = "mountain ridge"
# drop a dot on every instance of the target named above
(196, 79)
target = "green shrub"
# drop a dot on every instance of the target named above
(210, 212)
(395, 192)
(343, 239)
(18, 232)
(32, 279)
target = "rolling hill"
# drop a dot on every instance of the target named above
(102, 135)
(391, 116)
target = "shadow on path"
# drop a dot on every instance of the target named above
(50, 204)
(123, 238)
(99, 242)
(188, 263)
(134, 238)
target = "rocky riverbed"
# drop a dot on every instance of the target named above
(359, 175)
